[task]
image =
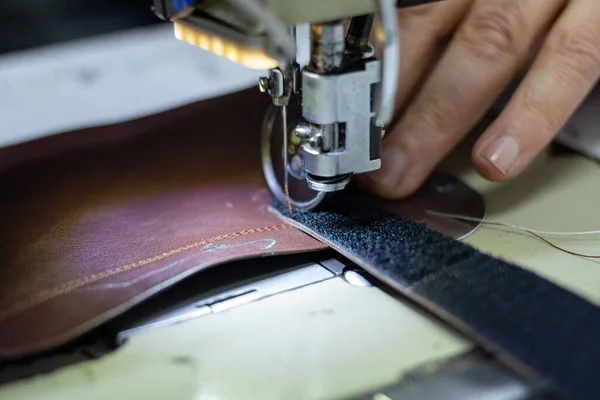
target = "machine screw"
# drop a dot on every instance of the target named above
(264, 84)
(304, 131)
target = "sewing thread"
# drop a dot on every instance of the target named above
(533, 232)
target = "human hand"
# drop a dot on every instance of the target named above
(457, 58)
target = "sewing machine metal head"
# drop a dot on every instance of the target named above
(344, 95)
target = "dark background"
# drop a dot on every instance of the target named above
(29, 23)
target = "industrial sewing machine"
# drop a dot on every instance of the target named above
(393, 336)
(339, 103)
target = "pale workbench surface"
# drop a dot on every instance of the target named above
(331, 340)
(323, 341)
(557, 193)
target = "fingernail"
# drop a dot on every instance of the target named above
(502, 153)
(392, 165)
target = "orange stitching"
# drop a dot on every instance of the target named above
(48, 294)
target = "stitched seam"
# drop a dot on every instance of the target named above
(48, 294)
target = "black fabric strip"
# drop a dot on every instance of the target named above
(527, 319)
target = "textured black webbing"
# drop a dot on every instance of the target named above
(511, 311)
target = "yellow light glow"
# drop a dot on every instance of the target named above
(251, 58)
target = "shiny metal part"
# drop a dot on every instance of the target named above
(341, 130)
(204, 305)
(334, 265)
(277, 85)
(269, 282)
(302, 198)
(327, 46)
(339, 109)
(263, 84)
(285, 160)
(328, 185)
(343, 121)
(306, 131)
(280, 84)
(342, 126)
(370, 52)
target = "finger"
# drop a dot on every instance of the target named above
(567, 68)
(424, 30)
(485, 54)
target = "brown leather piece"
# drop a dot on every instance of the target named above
(97, 220)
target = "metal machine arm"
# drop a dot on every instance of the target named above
(346, 95)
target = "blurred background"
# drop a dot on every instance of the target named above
(29, 23)
(71, 64)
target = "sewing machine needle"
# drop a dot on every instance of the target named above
(285, 158)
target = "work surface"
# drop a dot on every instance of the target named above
(331, 339)
(334, 340)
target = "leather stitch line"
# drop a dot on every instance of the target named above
(48, 294)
